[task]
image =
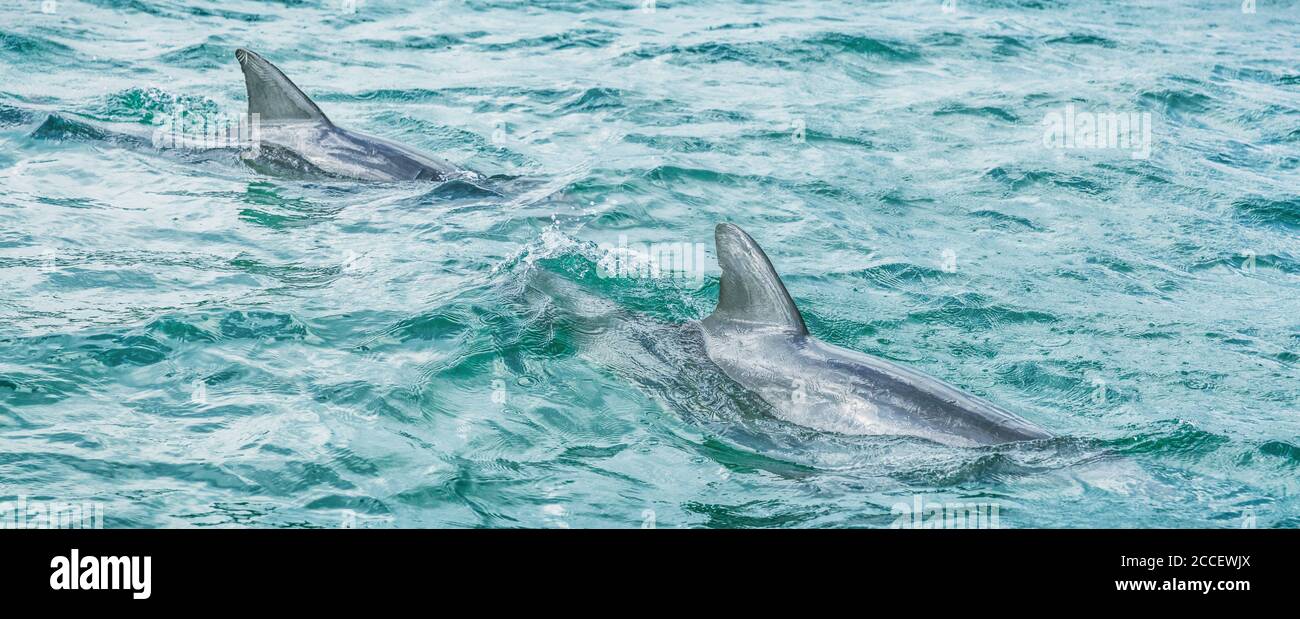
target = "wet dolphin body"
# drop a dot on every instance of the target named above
(758, 338)
(294, 133)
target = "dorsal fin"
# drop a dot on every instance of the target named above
(271, 95)
(750, 291)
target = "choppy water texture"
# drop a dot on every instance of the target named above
(192, 343)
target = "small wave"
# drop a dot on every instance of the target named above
(31, 46)
(402, 95)
(263, 325)
(1019, 179)
(126, 350)
(178, 329)
(1006, 45)
(436, 325)
(944, 39)
(1004, 221)
(1178, 102)
(983, 111)
(368, 402)
(594, 99)
(1248, 74)
(983, 468)
(897, 51)
(31, 388)
(1064, 383)
(752, 514)
(151, 105)
(432, 42)
(1083, 39)
(961, 312)
(789, 52)
(213, 54)
(1240, 262)
(573, 39)
(1281, 449)
(251, 18)
(1170, 437)
(1283, 212)
(291, 275)
(10, 116)
(897, 275)
(138, 6)
(677, 143)
(668, 174)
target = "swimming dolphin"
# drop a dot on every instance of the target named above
(294, 132)
(758, 338)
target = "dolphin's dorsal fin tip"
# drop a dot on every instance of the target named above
(750, 290)
(271, 95)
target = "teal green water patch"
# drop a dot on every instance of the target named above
(130, 6)
(593, 99)
(985, 111)
(212, 54)
(31, 46)
(573, 39)
(981, 469)
(432, 42)
(1007, 221)
(786, 53)
(10, 115)
(234, 16)
(20, 389)
(1283, 213)
(972, 314)
(261, 324)
(1174, 437)
(1008, 46)
(153, 105)
(1082, 39)
(869, 46)
(441, 325)
(131, 349)
(1277, 453)
(178, 329)
(761, 514)
(1180, 103)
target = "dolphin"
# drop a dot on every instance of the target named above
(292, 132)
(757, 337)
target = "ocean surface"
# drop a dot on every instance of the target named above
(189, 342)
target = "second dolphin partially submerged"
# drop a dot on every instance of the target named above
(295, 133)
(758, 338)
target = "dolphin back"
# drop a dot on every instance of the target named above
(750, 292)
(271, 95)
(758, 338)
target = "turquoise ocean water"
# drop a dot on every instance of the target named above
(192, 343)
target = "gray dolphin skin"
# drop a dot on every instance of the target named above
(295, 133)
(758, 338)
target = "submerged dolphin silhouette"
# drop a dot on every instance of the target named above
(758, 338)
(295, 133)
